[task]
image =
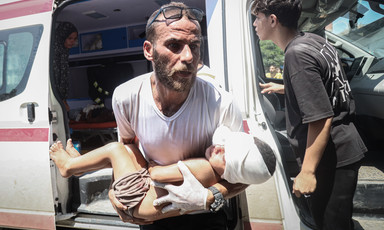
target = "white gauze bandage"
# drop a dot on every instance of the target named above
(244, 163)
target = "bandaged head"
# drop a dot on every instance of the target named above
(244, 162)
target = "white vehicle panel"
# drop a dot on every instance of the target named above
(26, 196)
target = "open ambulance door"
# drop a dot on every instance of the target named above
(26, 196)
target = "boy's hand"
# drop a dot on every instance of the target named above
(304, 183)
(272, 87)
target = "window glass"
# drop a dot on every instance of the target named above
(273, 59)
(363, 26)
(2, 49)
(17, 51)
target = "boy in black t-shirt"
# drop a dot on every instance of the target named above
(319, 110)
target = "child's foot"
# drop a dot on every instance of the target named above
(71, 149)
(60, 157)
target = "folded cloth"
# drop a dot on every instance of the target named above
(131, 189)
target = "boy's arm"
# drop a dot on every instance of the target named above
(167, 173)
(199, 167)
(318, 135)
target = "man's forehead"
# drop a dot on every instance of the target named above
(183, 27)
(175, 38)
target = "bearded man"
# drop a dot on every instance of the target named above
(171, 115)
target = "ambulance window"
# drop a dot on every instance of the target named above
(17, 49)
(2, 49)
(273, 60)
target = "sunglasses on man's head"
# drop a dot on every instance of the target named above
(176, 13)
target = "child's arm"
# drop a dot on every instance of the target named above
(199, 167)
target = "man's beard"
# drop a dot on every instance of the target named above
(167, 78)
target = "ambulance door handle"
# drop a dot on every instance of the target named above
(31, 112)
(263, 124)
(30, 106)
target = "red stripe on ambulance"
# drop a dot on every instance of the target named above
(24, 8)
(32, 134)
(27, 220)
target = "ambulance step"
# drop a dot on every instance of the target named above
(96, 222)
(93, 188)
(368, 201)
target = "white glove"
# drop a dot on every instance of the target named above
(189, 196)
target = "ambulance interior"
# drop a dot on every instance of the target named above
(108, 52)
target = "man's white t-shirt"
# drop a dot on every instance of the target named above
(184, 135)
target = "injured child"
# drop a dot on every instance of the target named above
(234, 156)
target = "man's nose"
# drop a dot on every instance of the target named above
(186, 54)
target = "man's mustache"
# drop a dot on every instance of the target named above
(184, 68)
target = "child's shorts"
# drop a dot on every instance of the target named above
(132, 188)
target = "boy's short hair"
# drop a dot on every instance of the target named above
(287, 11)
(267, 154)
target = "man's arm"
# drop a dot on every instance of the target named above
(227, 189)
(191, 195)
(318, 135)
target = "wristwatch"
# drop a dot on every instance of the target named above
(219, 200)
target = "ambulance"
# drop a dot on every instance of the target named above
(33, 195)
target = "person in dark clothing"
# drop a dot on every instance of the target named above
(66, 37)
(320, 111)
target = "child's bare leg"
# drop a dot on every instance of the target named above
(145, 209)
(125, 159)
(70, 148)
(113, 154)
(60, 157)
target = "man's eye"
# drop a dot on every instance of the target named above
(193, 47)
(174, 46)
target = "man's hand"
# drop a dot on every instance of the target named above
(189, 196)
(272, 87)
(304, 183)
(120, 209)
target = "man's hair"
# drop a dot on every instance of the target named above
(287, 11)
(150, 30)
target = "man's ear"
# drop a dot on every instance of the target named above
(148, 50)
(274, 19)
